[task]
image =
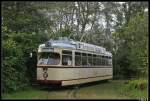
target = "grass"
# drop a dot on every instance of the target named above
(134, 89)
(106, 90)
(97, 90)
(27, 94)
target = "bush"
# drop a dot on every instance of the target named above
(136, 84)
(13, 69)
(135, 88)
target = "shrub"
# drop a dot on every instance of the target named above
(13, 69)
(136, 88)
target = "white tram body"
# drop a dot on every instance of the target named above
(66, 62)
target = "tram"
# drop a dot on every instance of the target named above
(66, 62)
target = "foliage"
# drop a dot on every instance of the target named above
(23, 17)
(135, 88)
(13, 68)
(132, 50)
(20, 36)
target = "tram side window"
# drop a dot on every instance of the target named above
(66, 57)
(103, 60)
(78, 61)
(106, 60)
(84, 59)
(89, 61)
(100, 60)
(109, 61)
(97, 60)
(94, 60)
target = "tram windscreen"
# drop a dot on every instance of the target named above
(48, 58)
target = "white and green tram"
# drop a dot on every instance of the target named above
(67, 62)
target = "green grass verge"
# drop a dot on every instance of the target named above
(114, 89)
(135, 89)
(27, 94)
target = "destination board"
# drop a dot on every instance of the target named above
(89, 47)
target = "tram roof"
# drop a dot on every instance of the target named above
(75, 45)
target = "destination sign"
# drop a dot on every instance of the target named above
(89, 47)
(45, 49)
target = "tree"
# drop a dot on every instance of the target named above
(22, 31)
(132, 52)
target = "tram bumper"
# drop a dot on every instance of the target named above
(50, 82)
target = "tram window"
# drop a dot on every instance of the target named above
(94, 60)
(89, 62)
(48, 58)
(109, 61)
(78, 59)
(97, 60)
(106, 60)
(103, 61)
(100, 61)
(66, 60)
(84, 59)
(66, 57)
